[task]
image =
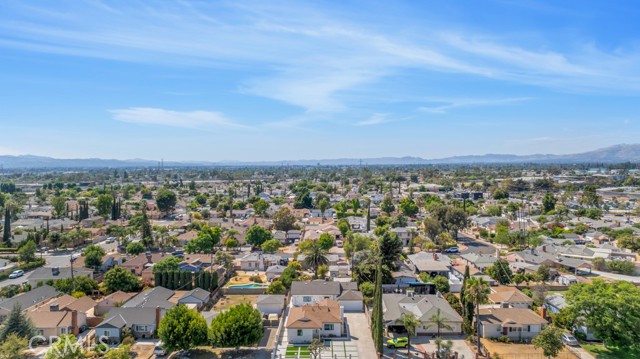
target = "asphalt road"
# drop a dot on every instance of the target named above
(57, 260)
(475, 246)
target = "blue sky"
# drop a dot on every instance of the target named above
(277, 80)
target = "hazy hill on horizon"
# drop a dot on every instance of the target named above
(612, 154)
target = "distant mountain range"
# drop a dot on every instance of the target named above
(614, 154)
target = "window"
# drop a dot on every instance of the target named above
(528, 328)
(106, 333)
(140, 328)
(328, 326)
(63, 330)
(306, 299)
(299, 332)
(40, 332)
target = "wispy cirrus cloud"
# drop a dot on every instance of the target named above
(203, 120)
(376, 119)
(443, 105)
(308, 58)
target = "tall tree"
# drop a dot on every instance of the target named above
(239, 326)
(390, 249)
(103, 205)
(13, 347)
(166, 199)
(58, 204)
(315, 257)
(182, 329)
(387, 205)
(377, 315)
(121, 279)
(284, 220)
(548, 202)
(256, 235)
(410, 322)
(16, 323)
(93, 256)
(439, 321)
(550, 341)
(477, 292)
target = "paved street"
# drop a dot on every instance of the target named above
(475, 246)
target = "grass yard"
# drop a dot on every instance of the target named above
(611, 353)
(297, 352)
(228, 301)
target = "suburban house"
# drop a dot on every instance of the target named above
(142, 261)
(323, 319)
(62, 315)
(113, 300)
(141, 321)
(432, 263)
(509, 297)
(270, 303)
(310, 292)
(274, 272)
(197, 297)
(27, 300)
(56, 323)
(518, 324)
(258, 261)
(403, 233)
(424, 307)
(43, 274)
(156, 297)
(478, 260)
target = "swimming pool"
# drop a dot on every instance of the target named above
(248, 286)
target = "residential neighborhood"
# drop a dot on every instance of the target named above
(114, 265)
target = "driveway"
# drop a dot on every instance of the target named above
(361, 334)
(426, 344)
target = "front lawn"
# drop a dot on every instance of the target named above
(601, 352)
(297, 352)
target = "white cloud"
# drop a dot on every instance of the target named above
(204, 120)
(442, 105)
(376, 119)
(306, 56)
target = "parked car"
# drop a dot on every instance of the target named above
(400, 342)
(159, 350)
(16, 274)
(111, 239)
(569, 339)
(452, 250)
(178, 253)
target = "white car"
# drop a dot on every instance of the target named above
(158, 350)
(569, 339)
(451, 250)
(16, 274)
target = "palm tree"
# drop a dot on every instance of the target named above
(477, 291)
(316, 256)
(439, 321)
(410, 323)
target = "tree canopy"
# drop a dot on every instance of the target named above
(239, 326)
(119, 278)
(256, 235)
(182, 329)
(166, 200)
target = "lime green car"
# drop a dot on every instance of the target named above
(401, 342)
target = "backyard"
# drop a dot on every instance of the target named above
(230, 300)
(601, 352)
(521, 351)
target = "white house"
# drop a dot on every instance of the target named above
(305, 293)
(321, 320)
(516, 323)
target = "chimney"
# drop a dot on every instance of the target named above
(54, 307)
(157, 317)
(74, 322)
(148, 255)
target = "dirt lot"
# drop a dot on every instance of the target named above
(521, 351)
(228, 301)
(143, 350)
